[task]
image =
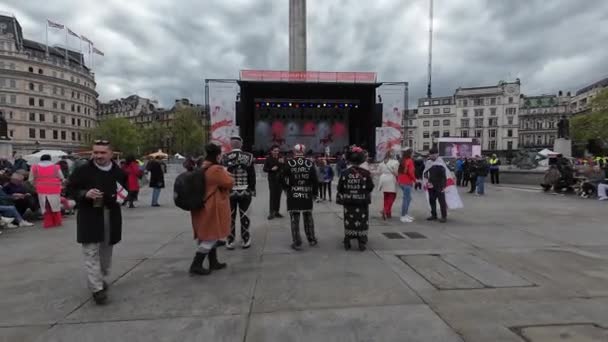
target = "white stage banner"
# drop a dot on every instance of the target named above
(222, 106)
(387, 139)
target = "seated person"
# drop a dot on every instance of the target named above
(593, 177)
(23, 198)
(602, 191)
(552, 177)
(7, 209)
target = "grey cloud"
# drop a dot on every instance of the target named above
(165, 49)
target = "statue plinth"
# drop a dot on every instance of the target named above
(563, 146)
(6, 149)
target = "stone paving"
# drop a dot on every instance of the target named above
(517, 265)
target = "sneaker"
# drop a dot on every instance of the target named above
(603, 198)
(11, 226)
(100, 297)
(296, 246)
(7, 220)
(24, 223)
(410, 217)
(246, 244)
(406, 219)
(431, 218)
(230, 245)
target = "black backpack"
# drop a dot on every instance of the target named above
(189, 190)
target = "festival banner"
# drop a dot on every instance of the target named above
(393, 97)
(387, 139)
(222, 106)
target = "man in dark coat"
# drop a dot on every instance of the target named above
(301, 185)
(157, 178)
(99, 221)
(273, 166)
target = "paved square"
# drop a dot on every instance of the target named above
(514, 266)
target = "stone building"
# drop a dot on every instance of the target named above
(436, 118)
(581, 101)
(49, 101)
(538, 118)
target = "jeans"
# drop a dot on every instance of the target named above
(480, 184)
(10, 211)
(407, 199)
(155, 195)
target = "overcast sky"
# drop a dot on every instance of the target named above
(162, 50)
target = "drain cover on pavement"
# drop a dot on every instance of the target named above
(414, 235)
(391, 235)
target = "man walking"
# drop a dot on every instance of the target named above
(240, 165)
(157, 178)
(459, 171)
(436, 176)
(495, 169)
(481, 172)
(99, 222)
(273, 166)
(300, 180)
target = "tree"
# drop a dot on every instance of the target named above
(123, 135)
(154, 138)
(187, 132)
(593, 126)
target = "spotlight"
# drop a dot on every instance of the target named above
(356, 106)
(325, 105)
(279, 105)
(318, 106)
(290, 104)
(297, 105)
(267, 104)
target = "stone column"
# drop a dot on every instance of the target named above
(297, 35)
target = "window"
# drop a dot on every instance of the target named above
(425, 135)
(436, 110)
(464, 134)
(426, 123)
(478, 102)
(410, 122)
(79, 137)
(426, 146)
(13, 84)
(54, 73)
(435, 102)
(465, 113)
(493, 122)
(40, 71)
(41, 117)
(445, 101)
(446, 133)
(426, 103)
(54, 104)
(426, 111)
(2, 99)
(78, 109)
(63, 120)
(446, 110)
(71, 78)
(30, 69)
(32, 133)
(55, 119)
(478, 122)
(436, 134)
(465, 103)
(62, 91)
(10, 115)
(55, 90)
(2, 82)
(78, 96)
(11, 133)
(551, 124)
(32, 86)
(13, 99)
(436, 122)
(62, 135)
(62, 75)
(478, 133)
(73, 136)
(73, 122)
(55, 134)
(510, 133)
(40, 102)
(493, 111)
(510, 100)
(479, 112)
(464, 123)
(492, 145)
(511, 111)
(32, 116)
(42, 134)
(73, 107)
(509, 121)
(73, 94)
(492, 101)
(62, 106)
(32, 101)
(509, 145)
(41, 88)
(492, 133)
(446, 122)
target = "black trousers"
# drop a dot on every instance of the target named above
(326, 190)
(275, 196)
(309, 227)
(465, 179)
(494, 174)
(240, 203)
(473, 180)
(435, 195)
(459, 178)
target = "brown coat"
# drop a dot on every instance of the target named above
(213, 221)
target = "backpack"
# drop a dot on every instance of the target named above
(189, 190)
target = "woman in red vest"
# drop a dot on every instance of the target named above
(48, 179)
(134, 173)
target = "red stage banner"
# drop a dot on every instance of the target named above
(308, 76)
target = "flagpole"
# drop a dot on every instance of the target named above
(47, 39)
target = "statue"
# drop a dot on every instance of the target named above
(3, 128)
(563, 128)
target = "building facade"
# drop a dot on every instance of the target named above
(538, 119)
(133, 108)
(436, 118)
(48, 100)
(581, 101)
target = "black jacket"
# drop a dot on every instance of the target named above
(90, 220)
(355, 187)
(437, 177)
(300, 182)
(482, 168)
(157, 174)
(273, 175)
(241, 167)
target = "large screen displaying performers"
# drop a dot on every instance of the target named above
(322, 126)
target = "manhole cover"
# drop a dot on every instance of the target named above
(414, 235)
(393, 236)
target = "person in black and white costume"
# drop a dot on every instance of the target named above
(241, 165)
(300, 181)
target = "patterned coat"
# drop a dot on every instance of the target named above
(301, 184)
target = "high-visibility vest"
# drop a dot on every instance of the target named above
(46, 179)
(493, 161)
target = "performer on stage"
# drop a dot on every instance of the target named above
(354, 192)
(240, 165)
(300, 181)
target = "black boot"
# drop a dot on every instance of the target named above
(197, 265)
(213, 263)
(100, 297)
(347, 245)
